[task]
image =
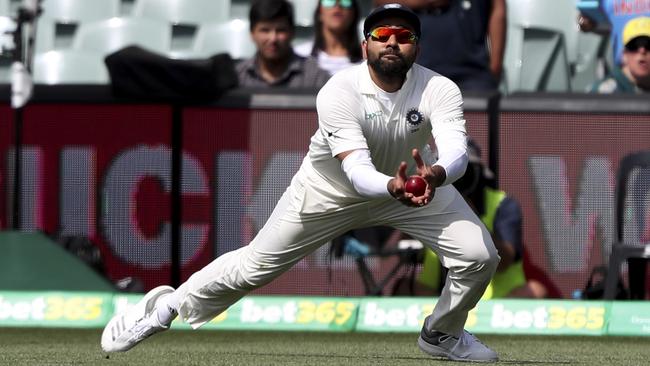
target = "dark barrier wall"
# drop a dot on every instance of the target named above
(559, 156)
(6, 138)
(100, 167)
(101, 171)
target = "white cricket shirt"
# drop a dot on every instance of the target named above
(350, 116)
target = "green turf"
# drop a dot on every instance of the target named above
(81, 347)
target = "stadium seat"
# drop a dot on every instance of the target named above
(4, 8)
(239, 9)
(191, 12)
(631, 197)
(6, 42)
(589, 64)
(232, 37)
(70, 67)
(7, 27)
(304, 12)
(79, 11)
(185, 16)
(66, 15)
(541, 42)
(110, 35)
(45, 35)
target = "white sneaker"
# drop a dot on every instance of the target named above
(127, 329)
(465, 348)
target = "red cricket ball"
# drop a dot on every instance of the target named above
(415, 185)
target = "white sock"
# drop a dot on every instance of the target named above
(167, 308)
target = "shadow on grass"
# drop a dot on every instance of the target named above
(538, 362)
(410, 358)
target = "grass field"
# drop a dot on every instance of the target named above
(81, 347)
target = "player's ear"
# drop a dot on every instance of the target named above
(364, 49)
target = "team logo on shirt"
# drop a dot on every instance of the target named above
(414, 119)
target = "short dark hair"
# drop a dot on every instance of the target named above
(267, 10)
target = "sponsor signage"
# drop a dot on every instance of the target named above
(55, 309)
(630, 318)
(289, 313)
(275, 313)
(494, 316)
(340, 314)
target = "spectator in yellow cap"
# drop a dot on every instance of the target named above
(634, 74)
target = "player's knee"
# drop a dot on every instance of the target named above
(485, 261)
(256, 280)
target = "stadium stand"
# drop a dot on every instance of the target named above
(304, 12)
(77, 11)
(232, 37)
(64, 17)
(69, 67)
(545, 50)
(185, 17)
(107, 36)
(191, 12)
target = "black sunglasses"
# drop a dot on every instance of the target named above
(637, 43)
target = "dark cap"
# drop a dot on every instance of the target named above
(391, 11)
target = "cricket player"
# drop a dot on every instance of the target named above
(373, 117)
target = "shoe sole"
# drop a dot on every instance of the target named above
(436, 351)
(432, 350)
(149, 299)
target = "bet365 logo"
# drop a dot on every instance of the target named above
(554, 317)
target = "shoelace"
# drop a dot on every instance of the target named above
(143, 328)
(467, 338)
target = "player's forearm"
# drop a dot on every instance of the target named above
(363, 175)
(497, 36)
(452, 156)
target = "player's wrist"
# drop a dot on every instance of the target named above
(390, 186)
(438, 174)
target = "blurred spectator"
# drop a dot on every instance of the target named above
(336, 41)
(502, 216)
(275, 64)
(633, 76)
(463, 40)
(618, 13)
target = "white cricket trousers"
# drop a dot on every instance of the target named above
(447, 225)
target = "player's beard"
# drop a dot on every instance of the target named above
(396, 69)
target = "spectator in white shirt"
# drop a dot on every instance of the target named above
(336, 43)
